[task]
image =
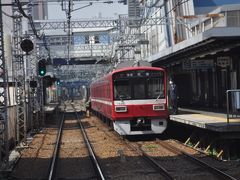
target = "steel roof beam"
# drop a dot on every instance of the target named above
(103, 23)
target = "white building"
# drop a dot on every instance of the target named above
(198, 43)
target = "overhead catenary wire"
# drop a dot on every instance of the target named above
(57, 2)
(8, 15)
(30, 19)
(146, 19)
(6, 23)
(45, 44)
(160, 19)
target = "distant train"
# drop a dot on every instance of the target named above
(133, 100)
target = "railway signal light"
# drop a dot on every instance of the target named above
(58, 82)
(33, 84)
(26, 45)
(42, 67)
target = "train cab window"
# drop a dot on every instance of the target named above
(155, 88)
(139, 89)
(122, 89)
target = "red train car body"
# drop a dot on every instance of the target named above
(134, 99)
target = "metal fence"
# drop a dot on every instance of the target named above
(233, 103)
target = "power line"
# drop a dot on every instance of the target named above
(29, 17)
(161, 18)
(8, 15)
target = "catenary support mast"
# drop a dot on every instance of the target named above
(4, 145)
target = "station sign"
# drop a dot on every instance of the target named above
(223, 61)
(198, 64)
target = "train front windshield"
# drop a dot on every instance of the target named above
(140, 84)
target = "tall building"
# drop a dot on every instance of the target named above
(133, 8)
(40, 11)
(133, 12)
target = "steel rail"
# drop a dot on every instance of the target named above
(56, 149)
(214, 170)
(163, 171)
(150, 160)
(90, 149)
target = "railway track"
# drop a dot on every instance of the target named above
(119, 160)
(115, 157)
(216, 172)
(175, 167)
(158, 168)
(73, 156)
(180, 165)
(161, 169)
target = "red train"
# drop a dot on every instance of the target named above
(133, 100)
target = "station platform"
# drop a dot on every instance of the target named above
(50, 107)
(207, 120)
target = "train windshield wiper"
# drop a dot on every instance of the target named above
(158, 96)
(118, 95)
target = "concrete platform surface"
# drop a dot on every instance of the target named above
(207, 120)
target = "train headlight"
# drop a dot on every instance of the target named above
(158, 107)
(120, 108)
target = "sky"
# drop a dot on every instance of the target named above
(96, 10)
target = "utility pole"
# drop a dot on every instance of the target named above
(19, 77)
(4, 144)
(69, 32)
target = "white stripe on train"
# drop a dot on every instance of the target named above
(131, 102)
